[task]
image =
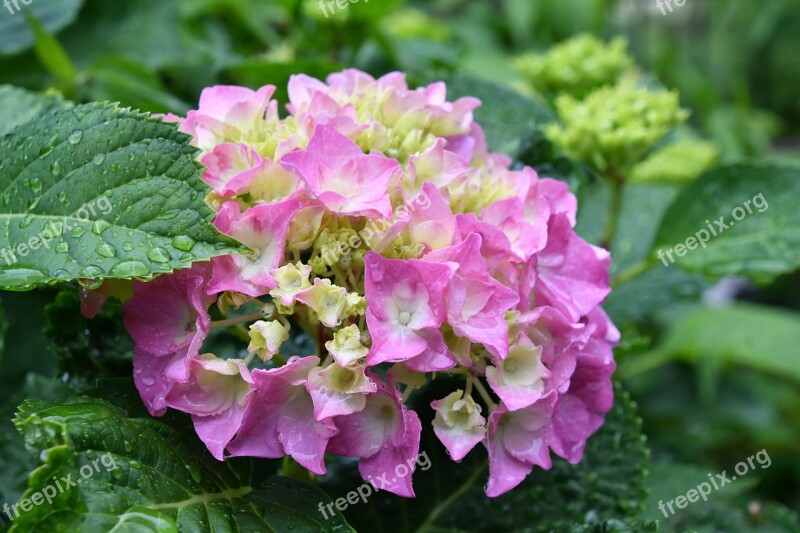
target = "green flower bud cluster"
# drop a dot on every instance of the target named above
(615, 127)
(408, 24)
(577, 66)
(680, 162)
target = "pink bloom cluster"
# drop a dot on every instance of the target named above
(381, 225)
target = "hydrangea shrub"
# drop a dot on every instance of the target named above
(380, 224)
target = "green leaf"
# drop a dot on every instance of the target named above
(538, 152)
(643, 206)
(607, 485)
(50, 53)
(15, 461)
(18, 106)
(727, 509)
(88, 349)
(764, 243)
(27, 352)
(118, 79)
(145, 31)
(100, 192)
(506, 116)
(53, 15)
(139, 473)
(3, 328)
(757, 337)
(653, 291)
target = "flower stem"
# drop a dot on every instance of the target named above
(631, 272)
(428, 525)
(249, 358)
(339, 276)
(617, 188)
(457, 370)
(485, 395)
(228, 322)
(407, 392)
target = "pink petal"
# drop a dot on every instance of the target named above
(262, 227)
(572, 274)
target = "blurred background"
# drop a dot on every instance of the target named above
(705, 359)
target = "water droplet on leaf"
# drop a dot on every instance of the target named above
(106, 250)
(183, 243)
(75, 137)
(130, 269)
(100, 226)
(158, 255)
(92, 271)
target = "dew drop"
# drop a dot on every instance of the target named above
(99, 158)
(158, 255)
(77, 232)
(183, 243)
(167, 215)
(25, 222)
(75, 137)
(130, 269)
(106, 250)
(194, 472)
(48, 147)
(61, 274)
(100, 226)
(62, 247)
(90, 272)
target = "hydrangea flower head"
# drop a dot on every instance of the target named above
(577, 66)
(380, 225)
(615, 127)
